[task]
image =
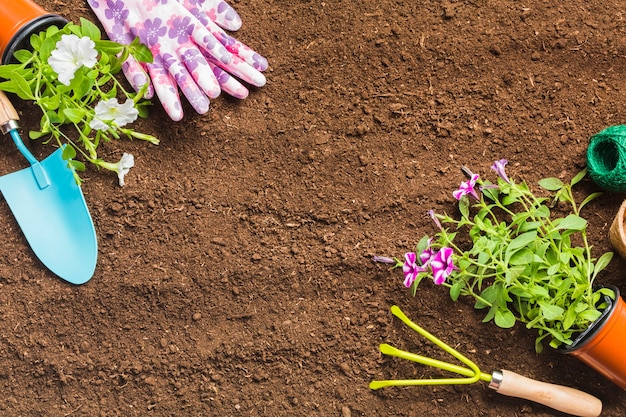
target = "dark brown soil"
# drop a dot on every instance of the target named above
(234, 274)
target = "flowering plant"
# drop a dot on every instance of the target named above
(69, 75)
(520, 261)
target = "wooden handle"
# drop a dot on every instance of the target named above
(565, 399)
(7, 111)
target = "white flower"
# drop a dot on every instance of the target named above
(111, 111)
(123, 166)
(72, 53)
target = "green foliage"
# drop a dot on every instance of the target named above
(522, 264)
(33, 79)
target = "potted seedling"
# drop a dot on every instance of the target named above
(68, 72)
(525, 258)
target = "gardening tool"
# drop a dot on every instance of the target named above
(50, 208)
(565, 399)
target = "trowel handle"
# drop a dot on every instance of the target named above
(565, 399)
(8, 114)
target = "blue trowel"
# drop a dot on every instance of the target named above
(50, 208)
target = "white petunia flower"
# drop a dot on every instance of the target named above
(72, 53)
(124, 165)
(111, 111)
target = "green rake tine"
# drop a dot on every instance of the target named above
(473, 373)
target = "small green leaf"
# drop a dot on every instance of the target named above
(90, 30)
(522, 240)
(551, 184)
(23, 55)
(74, 115)
(69, 152)
(35, 134)
(578, 177)
(524, 257)
(504, 319)
(551, 311)
(589, 198)
(602, 263)
(455, 290)
(22, 88)
(141, 52)
(572, 222)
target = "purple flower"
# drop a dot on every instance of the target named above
(442, 265)
(498, 166)
(181, 29)
(115, 11)
(467, 187)
(152, 31)
(410, 269)
(432, 215)
(427, 255)
(259, 62)
(191, 58)
(383, 259)
(222, 77)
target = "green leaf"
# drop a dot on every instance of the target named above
(553, 269)
(464, 207)
(69, 152)
(578, 177)
(35, 134)
(108, 47)
(76, 165)
(522, 240)
(602, 263)
(74, 115)
(572, 222)
(589, 198)
(90, 30)
(551, 311)
(23, 55)
(524, 257)
(551, 184)
(504, 319)
(455, 290)
(22, 88)
(8, 70)
(140, 51)
(570, 316)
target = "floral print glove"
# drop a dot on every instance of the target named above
(191, 50)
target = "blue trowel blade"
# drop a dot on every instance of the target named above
(55, 219)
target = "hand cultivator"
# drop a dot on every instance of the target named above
(565, 399)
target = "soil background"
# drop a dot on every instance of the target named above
(235, 275)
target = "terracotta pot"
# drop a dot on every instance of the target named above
(602, 345)
(18, 20)
(617, 234)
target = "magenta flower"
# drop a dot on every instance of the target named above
(410, 269)
(442, 265)
(427, 255)
(498, 166)
(467, 187)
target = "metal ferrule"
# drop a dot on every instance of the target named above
(8, 126)
(496, 380)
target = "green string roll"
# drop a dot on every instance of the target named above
(606, 158)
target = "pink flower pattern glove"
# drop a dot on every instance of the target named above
(191, 50)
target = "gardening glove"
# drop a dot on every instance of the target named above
(190, 49)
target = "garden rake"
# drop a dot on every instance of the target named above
(565, 399)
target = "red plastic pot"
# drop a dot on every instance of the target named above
(18, 20)
(602, 345)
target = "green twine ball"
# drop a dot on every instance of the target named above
(606, 158)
